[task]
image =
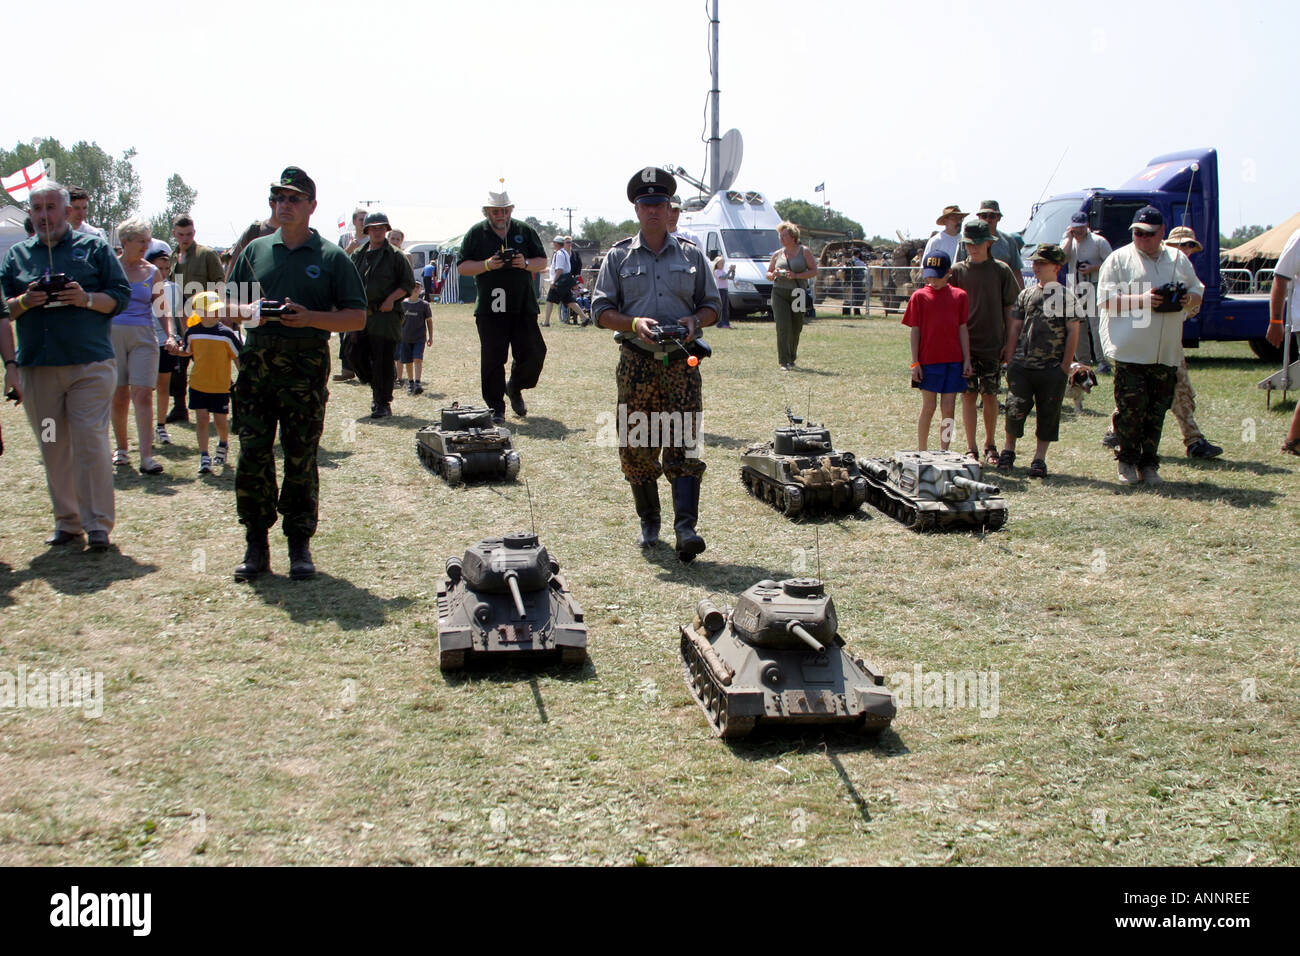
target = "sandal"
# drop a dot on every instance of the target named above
(1006, 460)
(119, 457)
(1291, 446)
(1038, 468)
(991, 457)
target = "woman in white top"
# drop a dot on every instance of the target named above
(721, 274)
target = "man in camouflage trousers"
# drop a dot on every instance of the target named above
(284, 367)
(647, 281)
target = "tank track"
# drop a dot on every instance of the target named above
(449, 471)
(785, 497)
(899, 507)
(708, 691)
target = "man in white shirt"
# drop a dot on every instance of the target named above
(1142, 314)
(1085, 251)
(78, 209)
(1285, 274)
(948, 240)
(557, 294)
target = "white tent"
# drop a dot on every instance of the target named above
(11, 227)
(420, 223)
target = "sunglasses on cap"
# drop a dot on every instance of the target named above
(291, 198)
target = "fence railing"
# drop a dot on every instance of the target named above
(1245, 282)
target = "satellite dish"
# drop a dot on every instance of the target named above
(731, 152)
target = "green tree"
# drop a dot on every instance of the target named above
(545, 230)
(113, 184)
(606, 233)
(180, 199)
(1240, 235)
(804, 213)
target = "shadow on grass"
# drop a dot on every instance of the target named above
(1229, 465)
(715, 575)
(482, 670)
(549, 429)
(766, 743)
(327, 598)
(163, 485)
(395, 421)
(72, 570)
(330, 458)
(710, 440)
(1206, 491)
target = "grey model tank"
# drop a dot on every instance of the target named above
(505, 599)
(465, 444)
(777, 659)
(934, 491)
(799, 472)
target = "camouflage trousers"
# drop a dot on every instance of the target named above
(1143, 393)
(656, 402)
(1184, 406)
(285, 389)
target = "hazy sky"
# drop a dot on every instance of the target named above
(900, 107)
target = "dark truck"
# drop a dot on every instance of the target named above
(1184, 186)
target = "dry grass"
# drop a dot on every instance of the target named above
(308, 723)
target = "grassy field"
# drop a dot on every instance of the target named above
(1147, 702)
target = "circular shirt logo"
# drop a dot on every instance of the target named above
(313, 271)
(80, 253)
(519, 240)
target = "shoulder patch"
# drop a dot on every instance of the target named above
(687, 240)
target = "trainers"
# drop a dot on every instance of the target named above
(205, 464)
(1038, 468)
(220, 457)
(1110, 439)
(150, 467)
(1128, 473)
(1007, 460)
(160, 435)
(1203, 449)
(1151, 475)
(119, 457)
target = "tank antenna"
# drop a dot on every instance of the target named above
(531, 517)
(817, 546)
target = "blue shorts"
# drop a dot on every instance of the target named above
(408, 352)
(943, 377)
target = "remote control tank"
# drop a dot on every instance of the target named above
(778, 659)
(799, 472)
(465, 444)
(934, 491)
(505, 599)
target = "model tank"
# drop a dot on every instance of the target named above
(934, 491)
(505, 600)
(778, 659)
(465, 444)
(799, 472)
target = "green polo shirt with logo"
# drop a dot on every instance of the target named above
(482, 242)
(317, 275)
(66, 334)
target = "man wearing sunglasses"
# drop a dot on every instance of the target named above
(284, 367)
(1004, 248)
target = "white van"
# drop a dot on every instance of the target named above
(742, 227)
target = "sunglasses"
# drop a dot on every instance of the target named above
(988, 215)
(291, 198)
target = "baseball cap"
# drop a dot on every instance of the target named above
(295, 180)
(1080, 218)
(1147, 220)
(935, 265)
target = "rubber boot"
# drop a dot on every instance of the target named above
(646, 496)
(257, 557)
(686, 504)
(300, 563)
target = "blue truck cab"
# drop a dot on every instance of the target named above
(1184, 186)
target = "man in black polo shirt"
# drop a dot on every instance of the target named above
(502, 255)
(284, 367)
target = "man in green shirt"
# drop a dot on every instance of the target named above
(386, 273)
(63, 288)
(284, 367)
(195, 269)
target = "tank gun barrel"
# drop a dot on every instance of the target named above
(512, 581)
(975, 487)
(795, 628)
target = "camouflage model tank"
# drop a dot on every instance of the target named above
(798, 472)
(465, 444)
(778, 659)
(934, 491)
(505, 599)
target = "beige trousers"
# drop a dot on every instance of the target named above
(68, 406)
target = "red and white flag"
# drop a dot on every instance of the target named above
(19, 185)
(343, 224)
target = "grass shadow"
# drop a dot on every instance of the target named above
(715, 575)
(481, 669)
(1205, 491)
(536, 426)
(327, 598)
(767, 743)
(710, 440)
(330, 458)
(1229, 465)
(71, 570)
(395, 421)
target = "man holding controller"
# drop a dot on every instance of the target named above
(648, 284)
(309, 288)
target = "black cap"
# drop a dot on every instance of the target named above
(652, 182)
(1148, 216)
(1048, 252)
(376, 219)
(296, 180)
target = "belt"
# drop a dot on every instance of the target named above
(284, 343)
(673, 355)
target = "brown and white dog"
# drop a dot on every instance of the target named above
(1079, 383)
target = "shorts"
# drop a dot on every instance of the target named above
(168, 364)
(136, 348)
(408, 352)
(218, 404)
(1041, 389)
(988, 375)
(943, 377)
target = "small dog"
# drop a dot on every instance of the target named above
(1079, 383)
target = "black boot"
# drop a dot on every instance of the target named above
(300, 563)
(646, 496)
(686, 503)
(257, 557)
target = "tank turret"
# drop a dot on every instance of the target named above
(777, 659)
(800, 472)
(465, 444)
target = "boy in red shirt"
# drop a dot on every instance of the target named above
(937, 316)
